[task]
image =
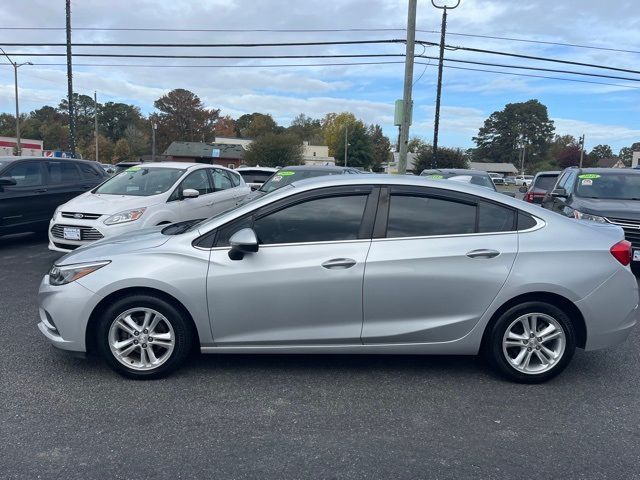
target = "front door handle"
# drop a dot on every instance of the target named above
(339, 263)
(483, 253)
(41, 190)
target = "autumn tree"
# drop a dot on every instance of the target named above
(122, 151)
(333, 128)
(225, 127)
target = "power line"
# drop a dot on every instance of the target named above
(207, 45)
(229, 57)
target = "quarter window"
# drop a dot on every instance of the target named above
(416, 216)
(89, 172)
(494, 218)
(319, 220)
(220, 180)
(28, 174)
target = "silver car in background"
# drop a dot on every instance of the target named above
(450, 269)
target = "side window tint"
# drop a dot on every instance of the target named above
(235, 179)
(525, 221)
(63, 172)
(319, 220)
(226, 231)
(220, 180)
(494, 218)
(198, 180)
(570, 183)
(413, 216)
(28, 174)
(89, 172)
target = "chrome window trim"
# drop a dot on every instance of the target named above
(297, 244)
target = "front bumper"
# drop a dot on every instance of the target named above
(58, 244)
(64, 314)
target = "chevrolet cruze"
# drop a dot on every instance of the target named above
(350, 264)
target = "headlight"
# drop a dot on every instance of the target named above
(587, 216)
(55, 214)
(61, 275)
(126, 216)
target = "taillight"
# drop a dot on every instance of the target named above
(529, 197)
(622, 252)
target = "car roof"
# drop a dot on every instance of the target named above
(549, 172)
(15, 159)
(630, 171)
(455, 171)
(320, 168)
(257, 169)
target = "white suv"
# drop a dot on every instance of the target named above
(145, 196)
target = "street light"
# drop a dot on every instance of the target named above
(154, 127)
(16, 65)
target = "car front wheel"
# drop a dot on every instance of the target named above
(144, 337)
(531, 342)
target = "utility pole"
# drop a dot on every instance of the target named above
(346, 144)
(95, 121)
(72, 115)
(154, 127)
(581, 149)
(408, 85)
(15, 66)
(436, 123)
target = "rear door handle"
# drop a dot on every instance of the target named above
(339, 263)
(483, 253)
(41, 190)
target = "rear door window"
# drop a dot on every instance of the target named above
(61, 173)
(546, 182)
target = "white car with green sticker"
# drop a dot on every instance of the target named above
(145, 196)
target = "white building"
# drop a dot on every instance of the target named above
(30, 148)
(635, 160)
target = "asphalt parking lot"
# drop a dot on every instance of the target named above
(251, 416)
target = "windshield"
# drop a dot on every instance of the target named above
(255, 176)
(617, 186)
(141, 181)
(285, 177)
(3, 163)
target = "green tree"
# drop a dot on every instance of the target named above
(601, 151)
(500, 137)
(7, 125)
(139, 142)
(626, 153)
(254, 125)
(84, 112)
(333, 127)
(183, 117)
(114, 118)
(274, 150)
(360, 151)
(559, 143)
(415, 144)
(307, 128)
(447, 158)
(381, 146)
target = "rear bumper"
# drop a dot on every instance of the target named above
(610, 311)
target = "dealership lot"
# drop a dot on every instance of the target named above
(251, 416)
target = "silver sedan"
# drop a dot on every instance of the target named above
(357, 264)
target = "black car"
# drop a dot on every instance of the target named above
(541, 184)
(287, 175)
(604, 195)
(31, 188)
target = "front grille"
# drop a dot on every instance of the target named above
(86, 233)
(85, 216)
(631, 229)
(65, 246)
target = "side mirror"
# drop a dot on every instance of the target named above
(190, 193)
(7, 181)
(523, 189)
(242, 242)
(559, 193)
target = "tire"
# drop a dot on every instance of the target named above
(116, 333)
(506, 354)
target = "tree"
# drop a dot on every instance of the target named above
(182, 116)
(626, 153)
(500, 138)
(333, 127)
(307, 128)
(105, 149)
(381, 146)
(256, 124)
(447, 158)
(139, 142)
(559, 143)
(114, 118)
(274, 150)
(122, 151)
(601, 151)
(360, 151)
(84, 111)
(415, 144)
(570, 157)
(225, 127)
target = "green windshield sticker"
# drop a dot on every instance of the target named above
(286, 174)
(133, 169)
(435, 177)
(589, 175)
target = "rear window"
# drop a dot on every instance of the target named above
(255, 176)
(546, 182)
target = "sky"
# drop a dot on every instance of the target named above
(604, 113)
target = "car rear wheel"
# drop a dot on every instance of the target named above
(531, 342)
(144, 337)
